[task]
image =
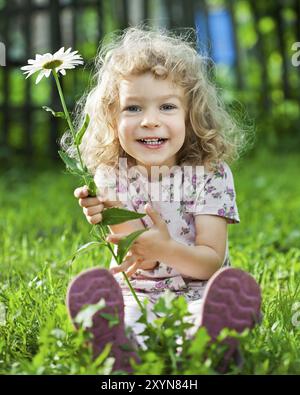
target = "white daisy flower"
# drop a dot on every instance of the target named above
(60, 62)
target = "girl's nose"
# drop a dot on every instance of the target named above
(150, 124)
(150, 121)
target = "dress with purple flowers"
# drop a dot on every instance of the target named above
(212, 193)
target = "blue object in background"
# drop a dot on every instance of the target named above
(221, 45)
(202, 34)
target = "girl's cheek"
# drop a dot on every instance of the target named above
(130, 125)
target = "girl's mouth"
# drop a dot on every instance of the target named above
(153, 142)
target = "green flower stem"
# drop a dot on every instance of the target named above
(62, 99)
(132, 291)
(124, 274)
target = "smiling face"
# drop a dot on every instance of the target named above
(150, 110)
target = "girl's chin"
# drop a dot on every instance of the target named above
(153, 162)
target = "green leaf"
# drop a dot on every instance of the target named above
(114, 216)
(91, 185)
(165, 302)
(72, 164)
(199, 343)
(56, 114)
(99, 231)
(82, 130)
(113, 320)
(125, 243)
(87, 247)
(103, 356)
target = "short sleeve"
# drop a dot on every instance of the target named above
(219, 197)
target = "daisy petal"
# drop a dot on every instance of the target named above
(59, 52)
(39, 77)
(47, 73)
(29, 73)
(26, 67)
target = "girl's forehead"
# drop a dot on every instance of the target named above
(146, 83)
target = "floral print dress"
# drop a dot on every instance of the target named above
(217, 197)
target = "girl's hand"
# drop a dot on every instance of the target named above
(92, 206)
(133, 263)
(150, 245)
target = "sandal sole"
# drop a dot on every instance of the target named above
(88, 288)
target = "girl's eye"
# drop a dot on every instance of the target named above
(134, 108)
(168, 106)
(131, 108)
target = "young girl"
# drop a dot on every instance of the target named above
(154, 107)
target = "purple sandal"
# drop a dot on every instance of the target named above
(232, 299)
(88, 288)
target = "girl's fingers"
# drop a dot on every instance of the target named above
(121, 268)
(124, 265)
(115, 238)
(134, 268)
(88, 201)
(90, 211)
(81, 192)
(95, 219)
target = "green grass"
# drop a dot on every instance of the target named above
(41, 225)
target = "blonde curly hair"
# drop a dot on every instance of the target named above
(212, 135)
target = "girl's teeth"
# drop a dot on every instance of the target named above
(152, 142)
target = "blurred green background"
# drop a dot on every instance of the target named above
(249, 41)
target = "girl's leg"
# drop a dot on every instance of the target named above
(232, 299)
(90, 287)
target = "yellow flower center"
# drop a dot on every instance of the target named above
(52, 64)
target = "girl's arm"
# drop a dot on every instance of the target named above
(206, 257)
(200, 261)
